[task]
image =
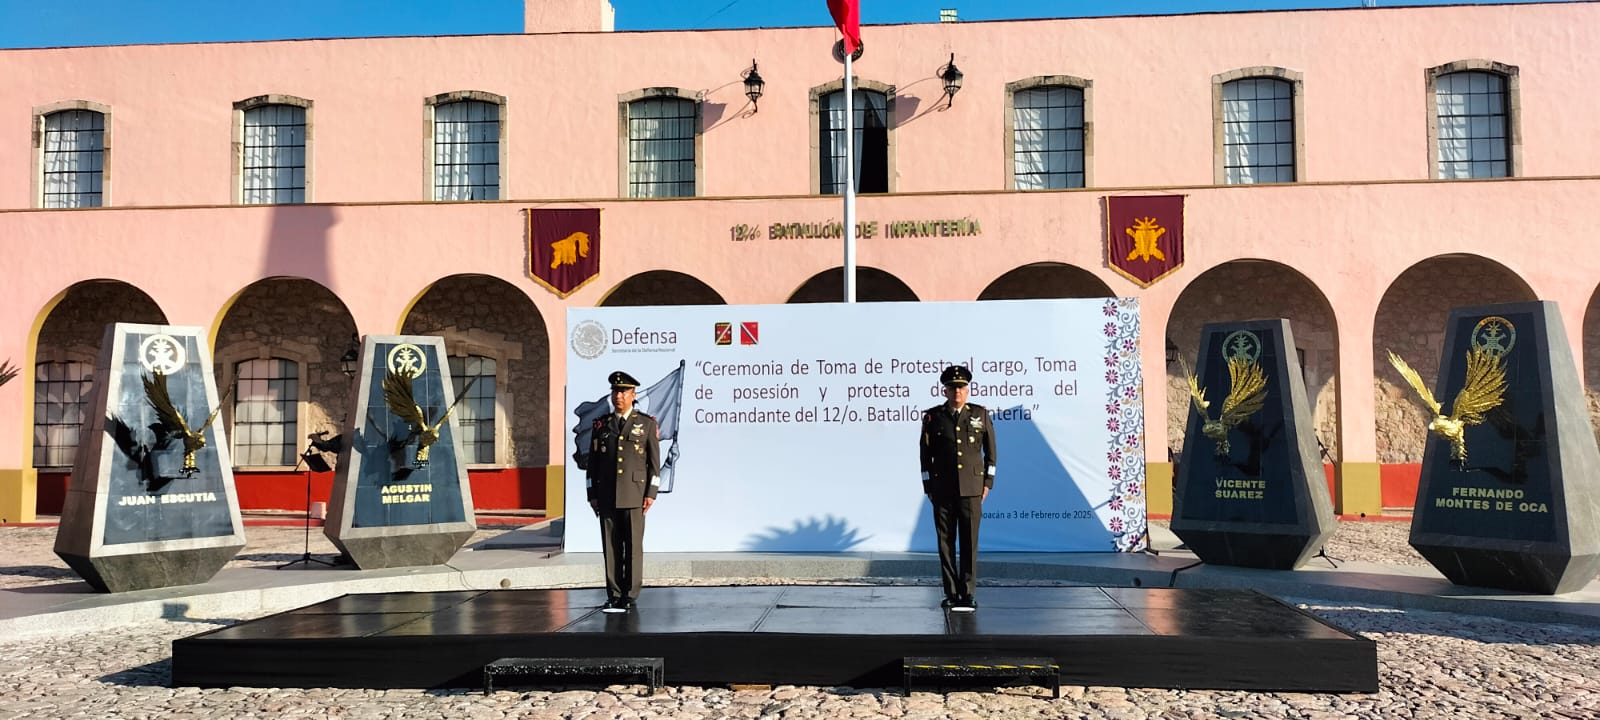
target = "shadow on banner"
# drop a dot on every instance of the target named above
(1031, 477)
(830, 534)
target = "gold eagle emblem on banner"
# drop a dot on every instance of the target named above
(1146, 236)
(567, 250)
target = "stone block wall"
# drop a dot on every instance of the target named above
(482, 315)
(1589, 354)
(1254, 290)
(872, 285)
(1411, 322)
(1046, 281)
(76, 324)
(662, 287)
(297, 320)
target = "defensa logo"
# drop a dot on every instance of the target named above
(638, 339)
(589, 339)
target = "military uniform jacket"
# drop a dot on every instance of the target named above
(624, 460)
(958, 456)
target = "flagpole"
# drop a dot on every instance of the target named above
(849, 180)
(677, 417)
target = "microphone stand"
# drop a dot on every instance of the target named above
(305, 557)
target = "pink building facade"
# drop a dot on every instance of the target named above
(289, 195)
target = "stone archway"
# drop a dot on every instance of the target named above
(78, 321)
(483, 317)
(1046, 280)
(65, 355)
(1256, 290)
(872, 285)
(1591, 359)
(661, 287)
(1411, 321)
(271, 325)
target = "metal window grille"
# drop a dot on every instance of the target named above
(476, 411)
(74, 158)
(661, 147)
(265, 407)
(1258, 131)
(871, 142)
(274, 161)
(60, 395)
(1474, 141)
(466, 151)
(1047, 138)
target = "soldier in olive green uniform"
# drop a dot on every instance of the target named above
(624, 474)
(958, 463)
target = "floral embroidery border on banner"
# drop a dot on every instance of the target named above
(1125, 421)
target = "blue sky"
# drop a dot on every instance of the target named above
(38, 23)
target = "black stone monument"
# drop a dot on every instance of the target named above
(1259, 498)
(401, 495)
(1522, 510)
(146, 508)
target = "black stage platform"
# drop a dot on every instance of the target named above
(792, 635)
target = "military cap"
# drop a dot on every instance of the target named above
(622, 381)
(955, 375)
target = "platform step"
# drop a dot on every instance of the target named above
(987, 668)
(651, 669)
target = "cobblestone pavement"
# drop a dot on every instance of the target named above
(1430, 665)
(1386, 542)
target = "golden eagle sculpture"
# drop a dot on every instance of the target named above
(1246, 395)
(1484, 390)
(170, 421)
(399, 396)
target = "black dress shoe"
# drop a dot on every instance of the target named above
(629, 604)
(949, 602)
(964, 605)
(613, 605)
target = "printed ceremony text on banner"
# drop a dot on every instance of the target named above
(795, 427)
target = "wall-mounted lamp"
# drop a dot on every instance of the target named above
(351, 356)
(754, 86)
(1172, 351)
(951, 76)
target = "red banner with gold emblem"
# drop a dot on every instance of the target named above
(1144, 236)
(564, 248)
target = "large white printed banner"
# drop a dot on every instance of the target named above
(795, 427)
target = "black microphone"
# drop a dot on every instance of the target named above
(323, 443)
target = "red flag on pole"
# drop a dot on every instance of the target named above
(847, 15)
